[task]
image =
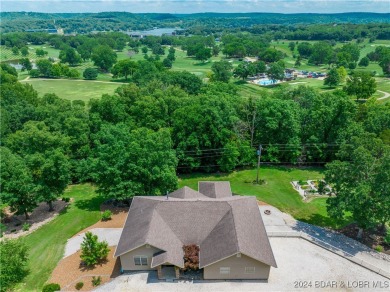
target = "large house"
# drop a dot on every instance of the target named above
(228, 229)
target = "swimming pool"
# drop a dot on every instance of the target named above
(266, 81)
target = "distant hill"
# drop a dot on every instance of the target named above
(123, 21)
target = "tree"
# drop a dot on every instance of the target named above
(241, 71)
(215, 51)
(203, 54)
(26, 64)
(221, 71)
(70, 55)
(360, 84)
(167, 63)
(124, 68)
(24, 51)
(291, 45)
(13, 263)
(364, 62)
(104, 57)
(40, 52)
(360, 180)
(298, 62)
(44, 153)
(90, 74)
(16, 186)
(44, 67)
(144, 50)
(342, 73)
(15, 51)
(276, 72)
(333, 78)
(93, 251)
(140, 162)
(321, 54)
(305, 49)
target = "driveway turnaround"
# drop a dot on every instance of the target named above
(111, 235)
(302, 266)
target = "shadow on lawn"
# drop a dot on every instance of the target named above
(92, 204)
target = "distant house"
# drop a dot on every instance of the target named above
(229, 231)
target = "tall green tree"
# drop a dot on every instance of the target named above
(13, 263)
(222, 71)
(131, 163)
(360, 84)
(104, 57)
(276, 72)
(124, 68)
(16, 186)
(93, 251)
(361, 181)
(333, 78)
(70, 55)
(45, 156)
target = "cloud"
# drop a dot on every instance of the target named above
(193, 6)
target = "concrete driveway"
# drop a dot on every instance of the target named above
(111, 235)
(302, 266)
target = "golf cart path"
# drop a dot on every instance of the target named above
(386, 94)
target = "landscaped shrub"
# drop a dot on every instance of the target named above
(26, 227)
(66, 200)
(52, 287)
(93, 251)
(191, 257)
(96, 281)
(301, 182)
(379, 248)
(79, 285)
(106, 215)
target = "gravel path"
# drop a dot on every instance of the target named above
(111, 235)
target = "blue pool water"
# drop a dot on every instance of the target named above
(266, 82)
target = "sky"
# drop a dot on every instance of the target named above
(194, 6)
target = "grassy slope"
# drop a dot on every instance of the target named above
(277, 191)
(47, 243)
(73, 89)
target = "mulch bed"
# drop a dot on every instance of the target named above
(118, 218)
(370, 238)
(40, 216)
(70, 271)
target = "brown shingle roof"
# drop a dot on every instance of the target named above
(215, 189)
(186, 193)
(222, 227)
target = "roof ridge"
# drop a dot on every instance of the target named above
(162, 218)
(212, 229)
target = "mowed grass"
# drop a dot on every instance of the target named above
(73, 89)
(46, 245)
(277, 191)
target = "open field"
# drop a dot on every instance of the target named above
(73, 89)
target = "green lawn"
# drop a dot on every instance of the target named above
(73, 89)
(277, 191)
(46, 245)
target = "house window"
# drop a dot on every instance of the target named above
(141, 260)
(250, 270)
(224, 270)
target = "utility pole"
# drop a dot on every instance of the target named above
(258, 163)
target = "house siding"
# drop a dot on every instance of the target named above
(127, 259)
(237, 269)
